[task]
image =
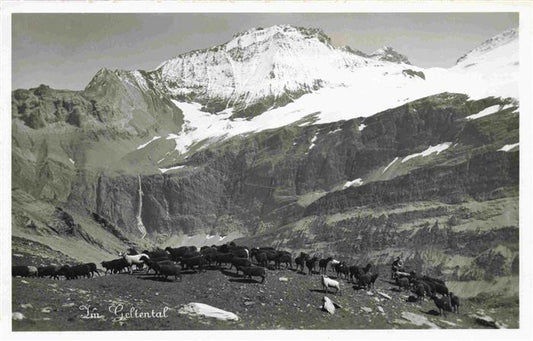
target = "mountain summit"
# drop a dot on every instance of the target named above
(388, 54)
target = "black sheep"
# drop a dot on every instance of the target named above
(50, 270)
(355, 273)
(443, 303)
(177, 253)
(301, 260)
(403, 282)
(249, 271)
(223, 258)
(455, 303)
(284, 258)
(166, 270)
(92, 269)
(261, 259)
(310, 264)
(190, 263)
(420, 290)
(237, 262)
(23, 271)
(115, 265)
(323, 264)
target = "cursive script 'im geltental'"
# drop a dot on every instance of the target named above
(121, 314)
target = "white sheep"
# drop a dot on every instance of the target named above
(330, 283)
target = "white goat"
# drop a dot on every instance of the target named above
(133, 259)
(330, 283)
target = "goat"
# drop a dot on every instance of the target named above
(23, 271)
(403, 283)
(310, 264)
(166, 270)
(133, 259)
(249, 271)
(177, 253)
(301, 260)
(190, 263)
(115, 265)
(442, 303)
(237, 262)
(323, 264)
(50, 270)
(285, 258)
(330, 283)
(261, 259)
(223, 258)
(455, 303)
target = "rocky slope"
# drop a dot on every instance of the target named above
(308, 153)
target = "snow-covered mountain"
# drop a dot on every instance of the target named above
(263, 63)
(323, 83)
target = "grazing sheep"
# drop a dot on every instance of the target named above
(285, 258)
(92, 269)
(342, 269)
(443, 303)
(420, 290)
(177, 253)
(50, 270)
(455, 303)
(330, 283)
(237, 261)
(115, 265)
(240, 251)
(249, 271)
(190, 263)
(300, 261)
(310, 264)
(403, 283)
(365, 281)
(166, 270)
(323, 265)
(373, 279)
(76, 271)
(223, 258)
(355, 272)
(261, 259)
(23, 271)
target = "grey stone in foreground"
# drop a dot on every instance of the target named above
(201, 309)
(418, 320)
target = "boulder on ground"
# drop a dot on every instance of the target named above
(201, 309)
(418, 320)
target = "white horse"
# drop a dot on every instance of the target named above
(133, 259)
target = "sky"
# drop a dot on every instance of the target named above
(64, 51)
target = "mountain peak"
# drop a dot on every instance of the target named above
(276, 32)
(491, 44)
(388, 54)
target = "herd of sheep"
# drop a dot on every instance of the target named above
(252, 263)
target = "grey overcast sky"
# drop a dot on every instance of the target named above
(66, 50)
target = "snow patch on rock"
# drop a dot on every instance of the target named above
(147, 143)
(431, 149)
(508, 147)
(356, 182)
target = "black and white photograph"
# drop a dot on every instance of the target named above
(233, 170)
